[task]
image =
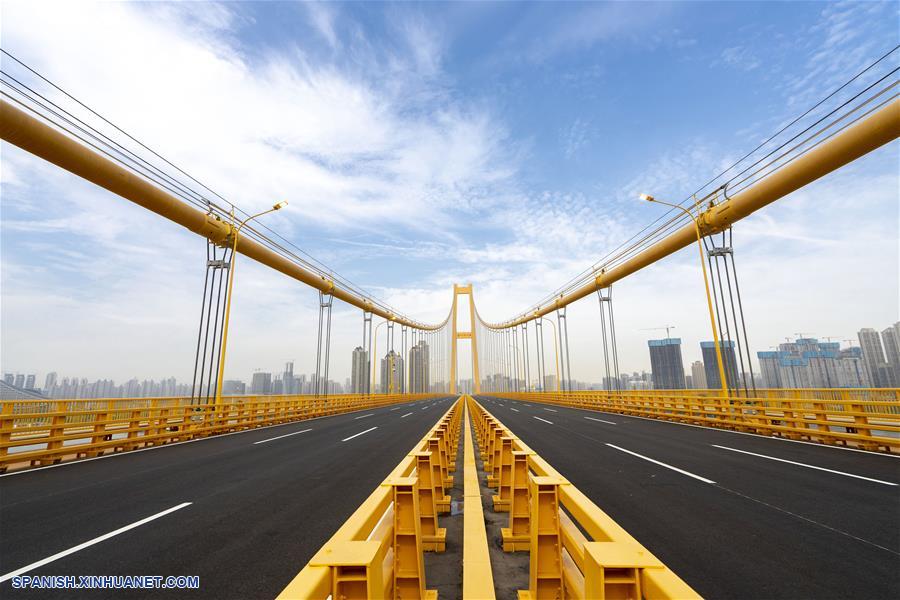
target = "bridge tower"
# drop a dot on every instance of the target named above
(464, 290)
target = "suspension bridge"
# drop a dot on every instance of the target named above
(518, 488)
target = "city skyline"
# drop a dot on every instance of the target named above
(803, 362)
(567, 179)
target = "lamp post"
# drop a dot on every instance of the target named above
(709, 304)
(235, 235)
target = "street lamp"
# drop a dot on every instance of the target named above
(235, 234)
(709, 304)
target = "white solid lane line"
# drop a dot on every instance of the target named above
(359, 434)
(406, 415)
(599, 420)
(281, 436)
(397, 408)
(662, 464)
(424, 408)
(363, 416)
(544, 420)
(515, 409)
(550, 409)
(96, 540)
(799, 464)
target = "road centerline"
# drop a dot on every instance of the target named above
(359, 434)
(800, 464)
(662, 464)
(89, 543)
(281, 436)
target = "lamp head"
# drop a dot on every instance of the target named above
(280, 205)
(647, 198)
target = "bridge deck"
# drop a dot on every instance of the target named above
(259, 510)
(763, 529)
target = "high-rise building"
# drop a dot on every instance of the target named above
(418, 368)
(287, 379)
(50, 382)
(666, 364)
(809, 363)
(711, 364)
(233, 387)
(891, 339)
(20, 381)
(549, 383)
(392, 373)
(359, 371)
(698, 375)
(873, 356)
(29, 382)
(851, 369)
(261, 383)
(9, 378)
(769, 362)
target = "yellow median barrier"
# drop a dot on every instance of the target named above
(478, 579)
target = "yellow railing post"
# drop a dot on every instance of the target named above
(518, 535)
(6, 428)
(504, 489)
(861, 426)
(496, 444)
(545, 576)
(409, 566)
(99, 430)
(434, 538)
(441, 501)
(57, 429)
(614, 570)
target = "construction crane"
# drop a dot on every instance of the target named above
(666, 327)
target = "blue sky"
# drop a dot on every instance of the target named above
(422, 144)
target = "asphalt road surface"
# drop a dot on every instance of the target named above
(244, 512)
(725, 510)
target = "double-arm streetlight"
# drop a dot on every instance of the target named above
(234, 240)
(709, 303)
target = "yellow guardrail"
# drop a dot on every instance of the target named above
(34, 432)
(478, 578)
(377, 552)
(837, 417)
(577, 550)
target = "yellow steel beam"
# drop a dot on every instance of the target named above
(32, 135)
(38, 138)
(876, 130)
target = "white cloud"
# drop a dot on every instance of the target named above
(377, 156)
(740, 57)
(322, 16)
